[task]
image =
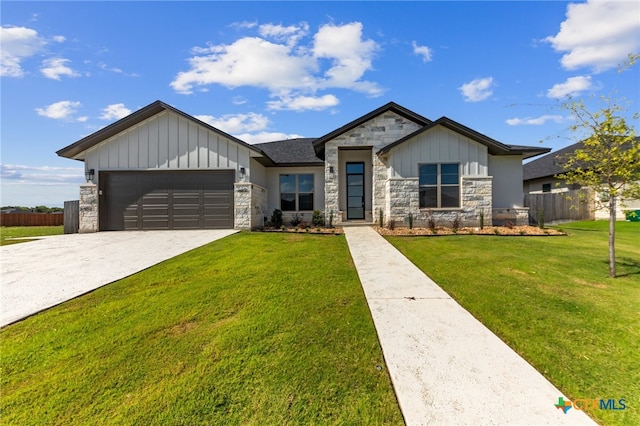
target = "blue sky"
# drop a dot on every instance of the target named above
(265, 71)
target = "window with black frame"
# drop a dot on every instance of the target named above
(296, 192)
(439, 185)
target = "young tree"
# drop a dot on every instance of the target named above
(607, 161)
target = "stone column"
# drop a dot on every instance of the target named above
(331, 199)
(88, 208)
(242, 205)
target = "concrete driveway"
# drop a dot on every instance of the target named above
(37, 275)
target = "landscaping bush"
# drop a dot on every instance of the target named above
(276, 218)
(317, 219)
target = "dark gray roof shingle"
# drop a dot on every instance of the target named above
(549, 165)
(291, 152)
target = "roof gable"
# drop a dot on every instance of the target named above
(133, 119)
(391, 106)
(494, 147)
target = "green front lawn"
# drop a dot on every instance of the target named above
(26, 231)
(252, 329)
(550, 299)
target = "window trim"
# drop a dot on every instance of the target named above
(297, 191)
(439, 185)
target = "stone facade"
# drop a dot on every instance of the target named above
(402, 199)
(88, 206)
(378, 132)
(249, 205)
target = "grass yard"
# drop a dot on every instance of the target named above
(252, 329)
(551, 300)
(26, 231)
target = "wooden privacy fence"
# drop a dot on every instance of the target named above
(71, 217)
(31, 219)
(570, 205)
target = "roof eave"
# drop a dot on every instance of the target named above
(72, 151)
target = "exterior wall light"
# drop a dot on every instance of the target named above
(89, 174)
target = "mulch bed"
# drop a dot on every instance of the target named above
(334, 231)
(487, 230)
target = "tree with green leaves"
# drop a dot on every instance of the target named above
(607, 159)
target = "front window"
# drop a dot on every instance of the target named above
(439, 185)
(296, 192)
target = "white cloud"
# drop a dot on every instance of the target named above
(535, 121)
(337, 57)
(253, 138)
(236, 123)
(598, 34)
(572, 87)
(249, 61)
(54, 68)
(302, 103)
(350, 55)
(115, 112)
(290, 35)
(423, 51)
(18, 43)
(63, 110)
(41, 175)
(477, 90)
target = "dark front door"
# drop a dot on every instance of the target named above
(355, 190)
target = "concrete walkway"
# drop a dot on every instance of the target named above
(445, 366)
(37, 275)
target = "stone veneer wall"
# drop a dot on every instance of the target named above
(380, 131)
(249, 205)
(402, 198)
(88, 207)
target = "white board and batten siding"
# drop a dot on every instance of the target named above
(168, 141)
(438, 145)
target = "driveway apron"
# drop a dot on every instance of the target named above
(446, 367)
(37, 275)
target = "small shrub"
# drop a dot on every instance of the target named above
(509, 224)
(522, 232)
(434, 230)
(296, 220)
(276, 218)
(330, 218)
(410, 219)
(306, 229)
(496, 231)
(481, 219)
(455, 225)
(431, 223)
(380, 218)
(392, 224)
(317, 219)
(282, 227)
(540, 218)
(317, 229)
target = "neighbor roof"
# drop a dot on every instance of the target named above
(137, 117)
(494, 147)
(290, 152)
(552, 164)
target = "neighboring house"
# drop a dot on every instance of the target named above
(539, 177)
(160, 168)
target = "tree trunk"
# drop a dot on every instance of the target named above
(612, 236)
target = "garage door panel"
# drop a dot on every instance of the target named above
(167, 200)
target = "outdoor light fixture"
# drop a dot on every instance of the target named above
(242, 171)
(331, 169)
(89, 174)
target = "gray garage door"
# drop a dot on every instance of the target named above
(166, 200)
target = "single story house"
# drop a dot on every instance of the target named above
(160, 168)
(539, 177)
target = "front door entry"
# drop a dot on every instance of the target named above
(355, 190)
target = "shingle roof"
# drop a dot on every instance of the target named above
(291, 152)
(549, 165)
